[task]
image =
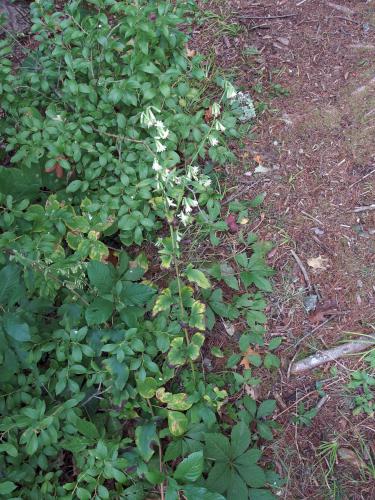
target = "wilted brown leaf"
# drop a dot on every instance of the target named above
(208, 115)
(190, 52)
(232, 224)
(245, 360)
(318, 262)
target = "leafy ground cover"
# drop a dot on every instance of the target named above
(111, 142)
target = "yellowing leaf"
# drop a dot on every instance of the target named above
(197, 315)
(163, 302)
(198, 277)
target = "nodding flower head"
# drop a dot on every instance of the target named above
(215, 109)
(156, 165)
(159, 146)
(184, 218)
(148, 118)
(163, 133)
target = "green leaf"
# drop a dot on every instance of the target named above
(32, 444)
(250, 405)
(217, 447)
(197, 315)
(258, 200)
(190, 469)
(99, 311)
(199, 493)
(218, 477)
(217, 352)
(127, 222)
(15, 328)
(264, 431)
(262, 283)
(271, 361)
(257, 494)
(177, 423)
(101, 276)
(87, 428)
(10, 289)
(274, 343)
(83, 494)
(198, 277)
(7, 487)
(147, 387)
(146, 438)
(10, 449)
(252, 474)
(115, 95)
(240, 439)
(249, 458)
(136, 294)
(74, 186)
(266, 408)
(237, 489)
(119, 372)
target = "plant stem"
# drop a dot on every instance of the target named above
(161, 486)
(182, 309)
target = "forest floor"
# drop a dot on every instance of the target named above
(309, 65)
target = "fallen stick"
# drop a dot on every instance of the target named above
(331, 354)
(279, 16)
(364, 209)
(303, 269)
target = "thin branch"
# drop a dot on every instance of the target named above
(279, 16)
(332, 354)
(364, 209)
(362, 179)
(303, 269)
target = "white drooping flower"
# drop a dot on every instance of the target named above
(194, 172)
(215, 109)
(189, 203)
(171, 203)
(159, 146)
(148, 118)
(213, 141)
(163, 133)
(219, 126)
(184, 218)
(206, 182)
(156, 165)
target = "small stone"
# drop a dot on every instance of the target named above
(283, 40)
(318, 231)
(310, 303)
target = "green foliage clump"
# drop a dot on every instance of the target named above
(102, 395)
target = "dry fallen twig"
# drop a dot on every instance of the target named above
(362, 178)
(303, 269)
(332, 354)
(364, 209)
(281, 16)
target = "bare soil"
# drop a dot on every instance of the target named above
(315, 143)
